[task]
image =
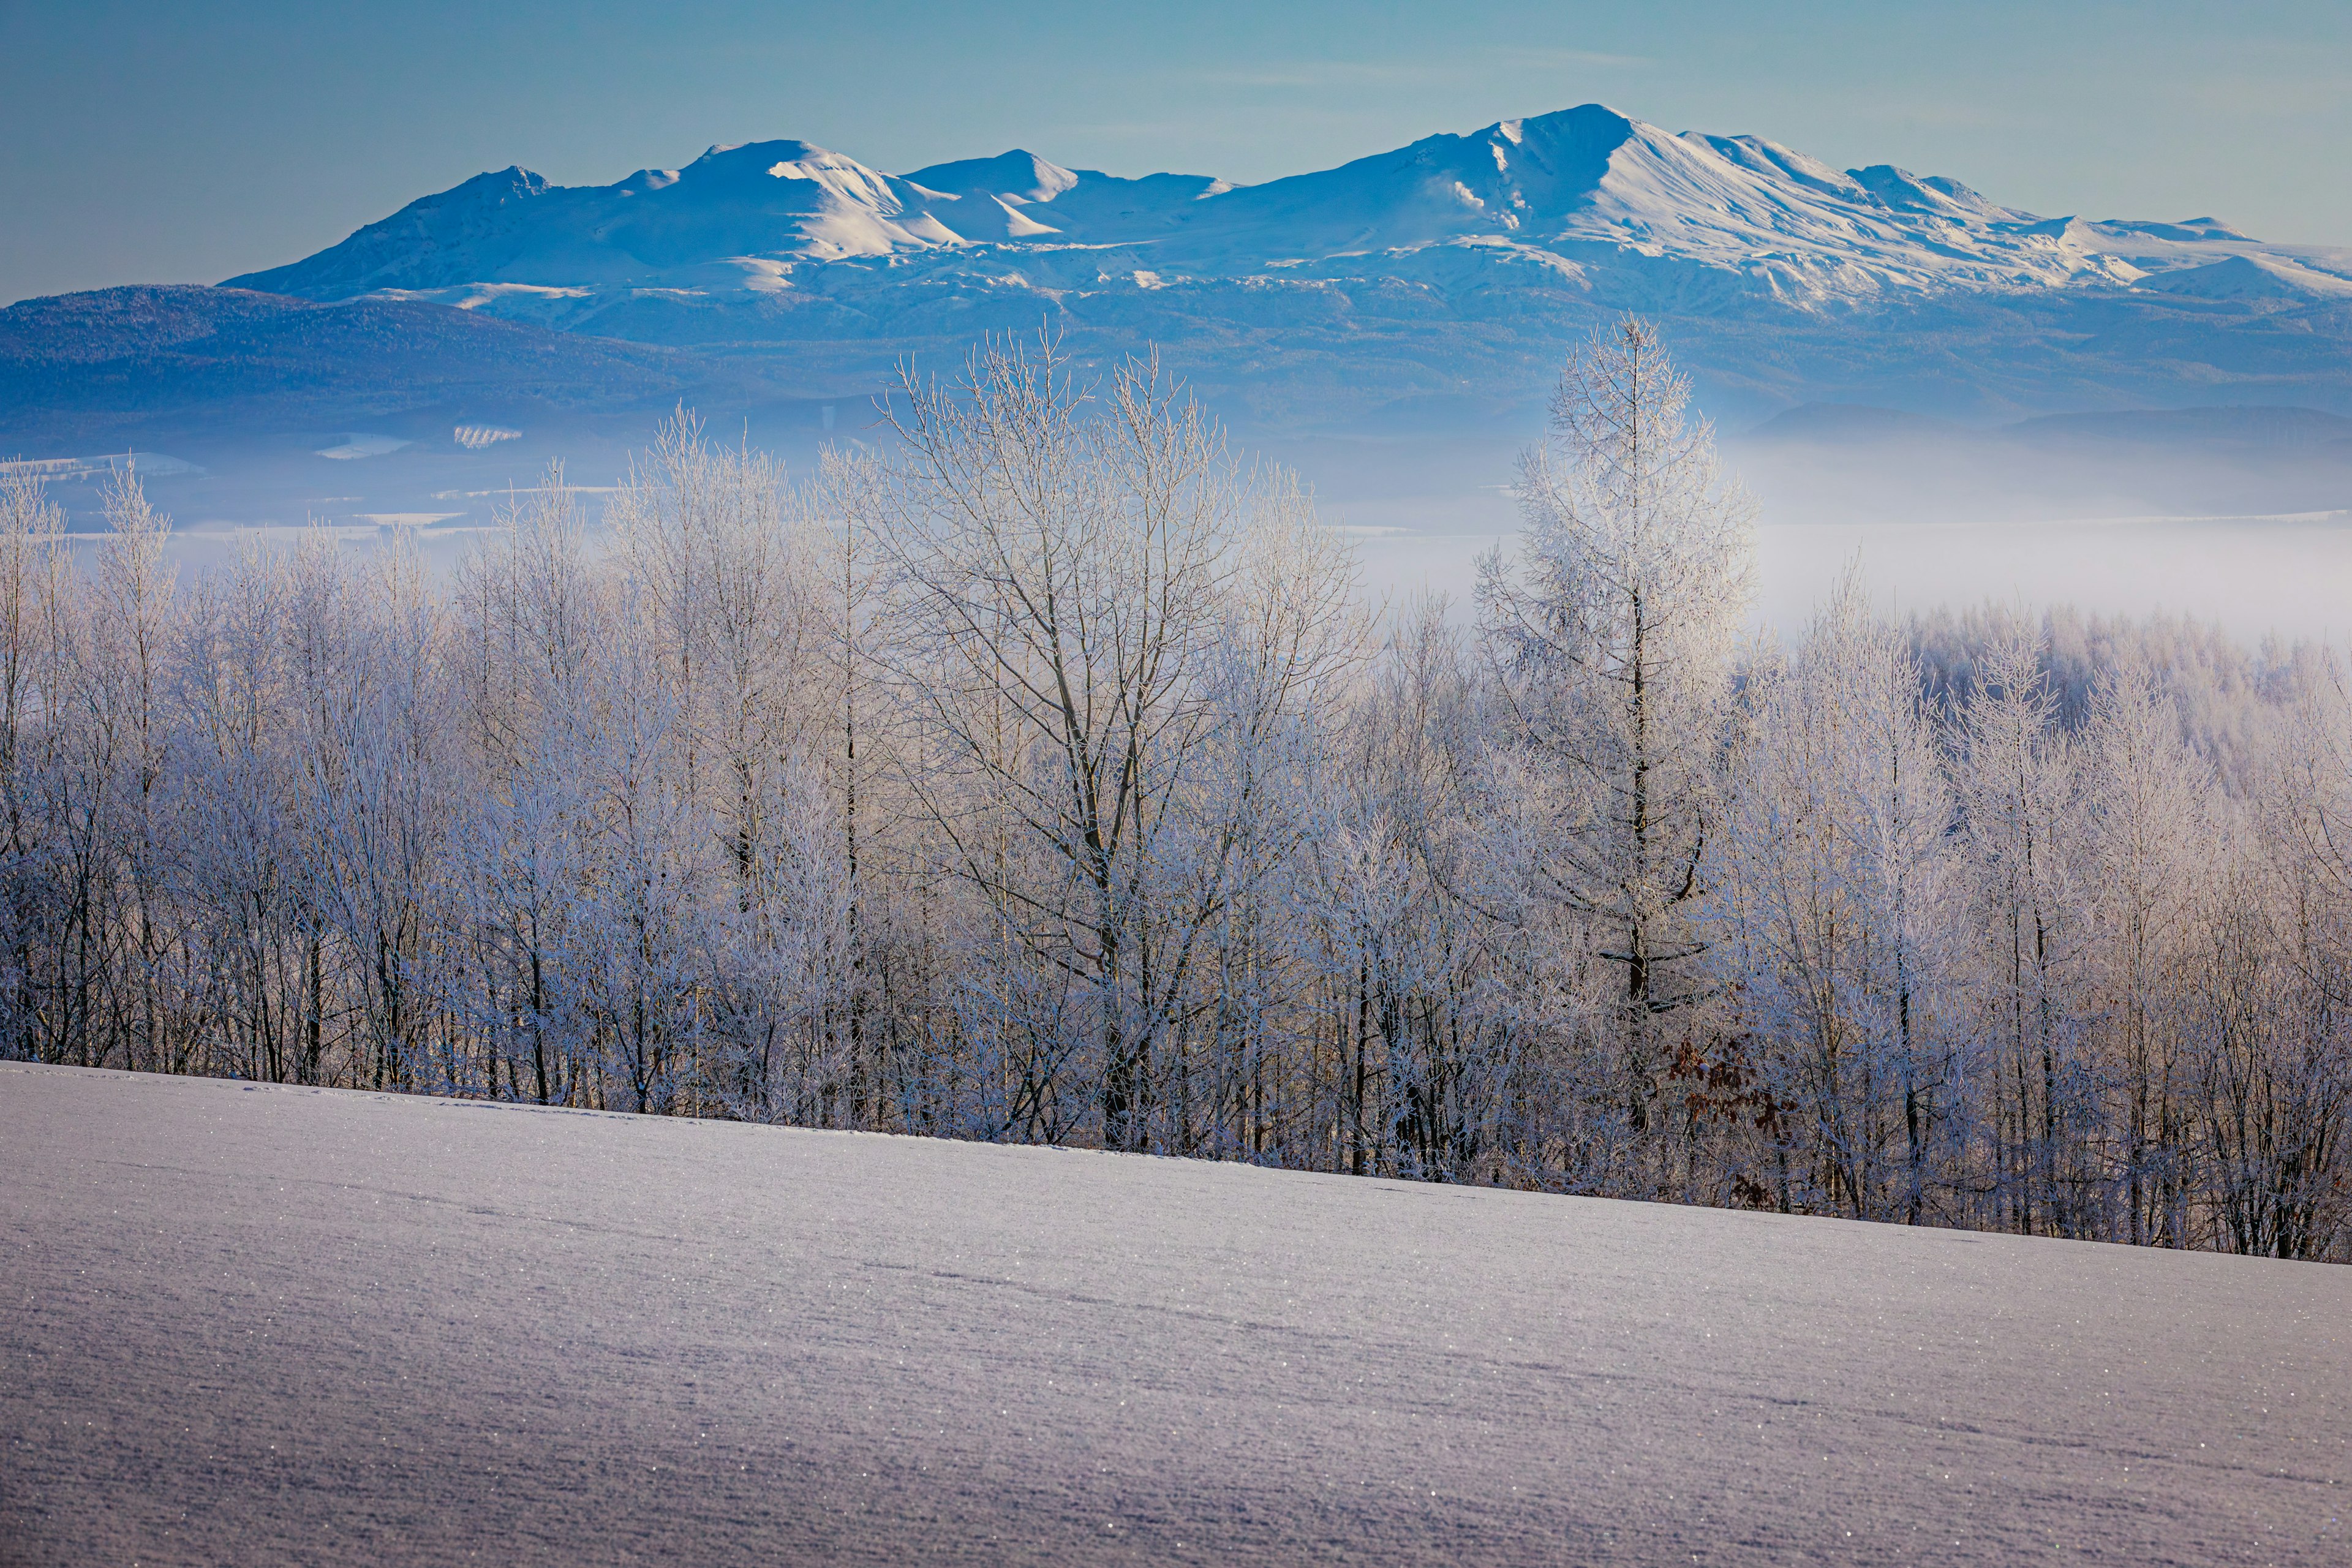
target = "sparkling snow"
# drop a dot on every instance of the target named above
(267, 1325)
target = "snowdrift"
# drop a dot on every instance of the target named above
(265, 1325)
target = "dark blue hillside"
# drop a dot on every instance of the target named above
(79, 368)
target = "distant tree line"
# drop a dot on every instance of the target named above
(1040, 776)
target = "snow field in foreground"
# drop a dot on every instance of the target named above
(262, 1324)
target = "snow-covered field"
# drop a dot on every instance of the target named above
(256, 1325)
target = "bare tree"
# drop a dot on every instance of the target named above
(2152, 821)
(1034, 772)
(1070, 576)
(34, 667)
(1835, 875)
(1614, 634)
(2019, 799)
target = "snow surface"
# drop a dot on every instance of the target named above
(2252, 278)
(263, 1325)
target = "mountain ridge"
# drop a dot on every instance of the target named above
(1590, 196)
(1429, 289)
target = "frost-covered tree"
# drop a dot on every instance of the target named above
(1033, 772)
(374, 792)
(1100, 614)
(2018, 786)
(35, 587)
(1836, 873)
(2154, 833)
(1614, 632)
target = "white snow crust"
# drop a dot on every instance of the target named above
(267, 1325)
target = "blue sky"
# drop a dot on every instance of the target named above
(188, 142)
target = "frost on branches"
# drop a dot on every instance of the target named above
(1037, 775)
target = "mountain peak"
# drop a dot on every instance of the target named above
(2243, 277)
(1931, 193)
(1018, 176)
(1573, 197)
(492, 185)
(1585, 122)
(731, 156)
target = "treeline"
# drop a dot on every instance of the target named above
(1039, 776)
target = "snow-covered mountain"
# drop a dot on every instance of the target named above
(1431, 288)
(1582, 200)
